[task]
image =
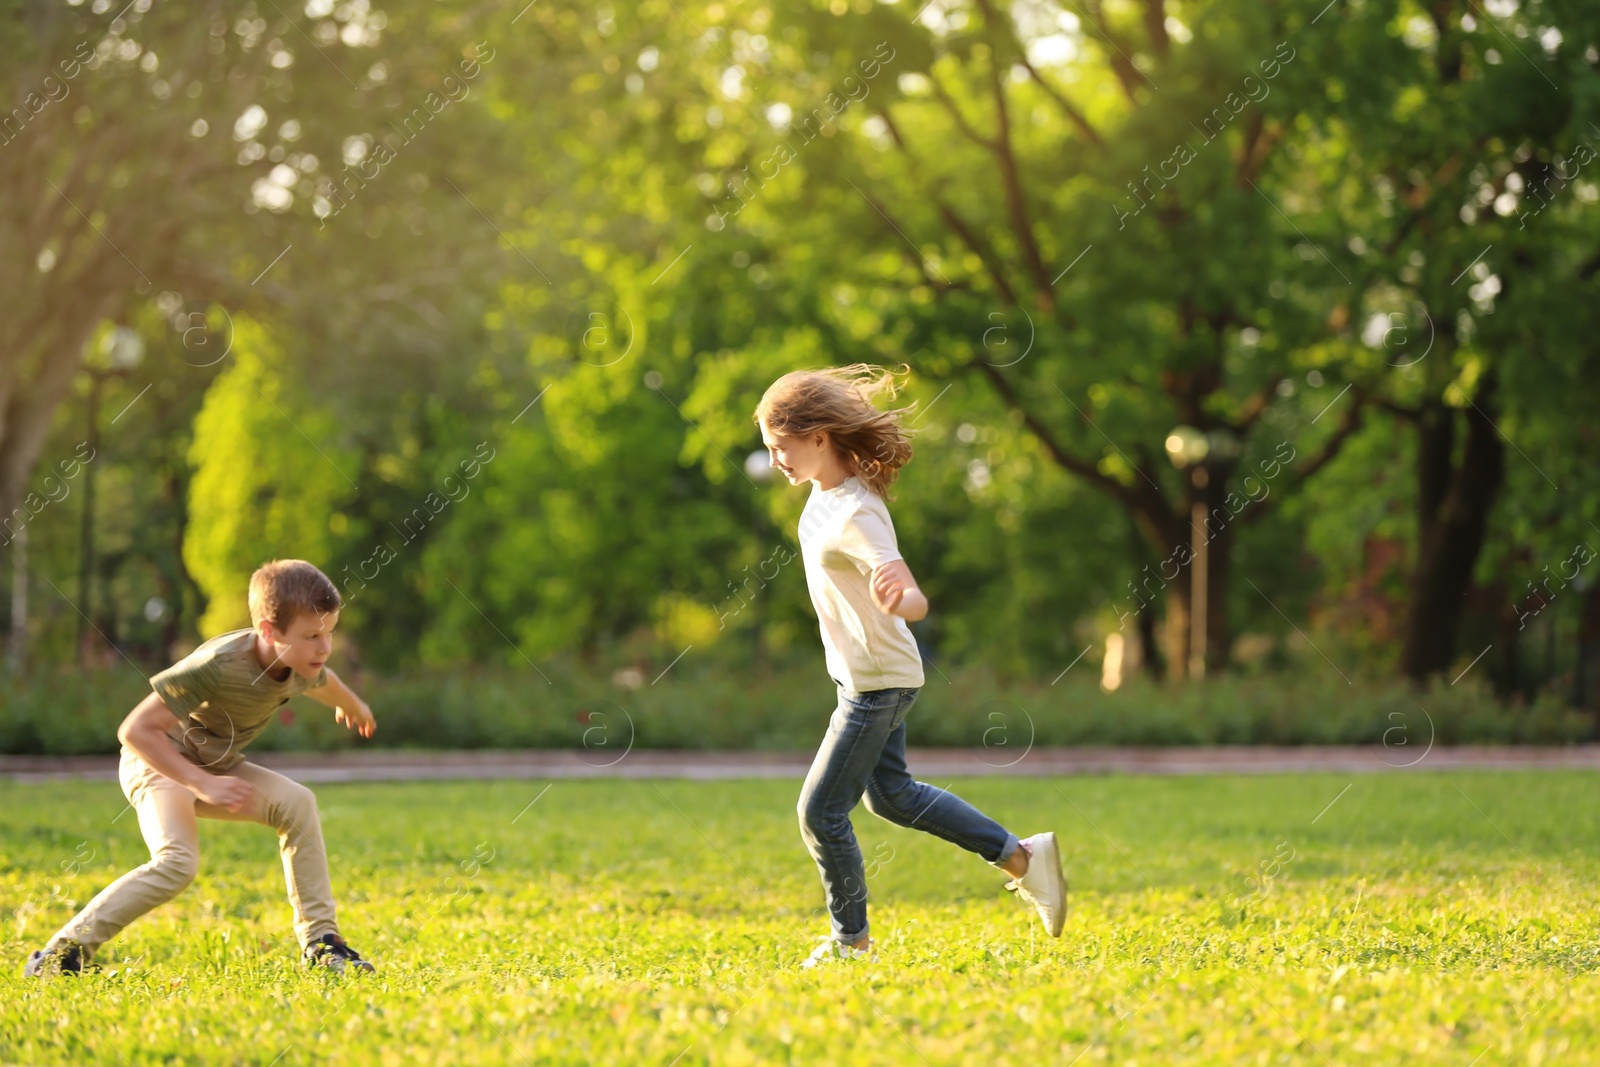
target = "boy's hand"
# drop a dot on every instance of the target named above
(348, 708)
(224, 791)
(358, 718)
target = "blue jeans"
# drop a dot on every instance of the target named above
(865, 752)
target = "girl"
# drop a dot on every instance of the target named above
(820, 426)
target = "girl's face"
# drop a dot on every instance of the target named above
(800, 458)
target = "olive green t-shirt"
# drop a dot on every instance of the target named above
(223, 698)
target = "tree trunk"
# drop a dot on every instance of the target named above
(26, 420)
(17, 646)
(1454, 502)
(1177, 626)
(1219, 634)
(1585, 690)
(1152, 662)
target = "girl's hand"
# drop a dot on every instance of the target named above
(895, 591)
(887, 592)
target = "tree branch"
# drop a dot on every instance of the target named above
(1252, 409)
(1258, 144)
(1330, 450)
(1589, 267)
(1016, 202)
(1155, 24)
(1385, 404)
(1128, 75)
(966, 128)
(951, 217)
(911, 254)
(1141, 499)
(1073, 115)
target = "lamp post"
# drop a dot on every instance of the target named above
(1204, 455)
(122, 349)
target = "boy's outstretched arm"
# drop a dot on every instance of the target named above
(896, 591)
(347, 707)
(145, 732)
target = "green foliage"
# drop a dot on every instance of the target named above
(263, 487)
(1408, 918)
(703, 704)
(643, 214)
(581, 514)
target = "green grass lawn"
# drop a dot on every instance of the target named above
(1422, 918)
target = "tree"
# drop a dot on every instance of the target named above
(184, 167)
(927, 191)
(1455, 267)
(262, 483)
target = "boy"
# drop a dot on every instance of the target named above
(183, 756)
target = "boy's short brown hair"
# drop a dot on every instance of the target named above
(286, 588)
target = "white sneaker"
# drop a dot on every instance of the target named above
(837, 950)
(1043, 885)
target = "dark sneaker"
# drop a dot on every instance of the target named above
(68, 959)
(331, 952)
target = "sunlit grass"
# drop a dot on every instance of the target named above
(1421, 918)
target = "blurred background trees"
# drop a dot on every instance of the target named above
(472, 307)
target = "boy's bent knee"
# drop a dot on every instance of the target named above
(174, 868)
(294, 808)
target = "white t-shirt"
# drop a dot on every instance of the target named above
(846, 534)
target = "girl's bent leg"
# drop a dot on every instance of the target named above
(861, 723)
(894, 795)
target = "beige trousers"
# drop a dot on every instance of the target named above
(167, 818)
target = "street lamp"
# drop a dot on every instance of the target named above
(1202, 454)
(122, 349)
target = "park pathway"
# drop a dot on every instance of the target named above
(376, 765)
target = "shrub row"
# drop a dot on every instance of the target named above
(787, 708)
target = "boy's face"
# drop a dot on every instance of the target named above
(799, 459)
(305, 644)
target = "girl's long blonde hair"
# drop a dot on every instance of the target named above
(873, 444)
